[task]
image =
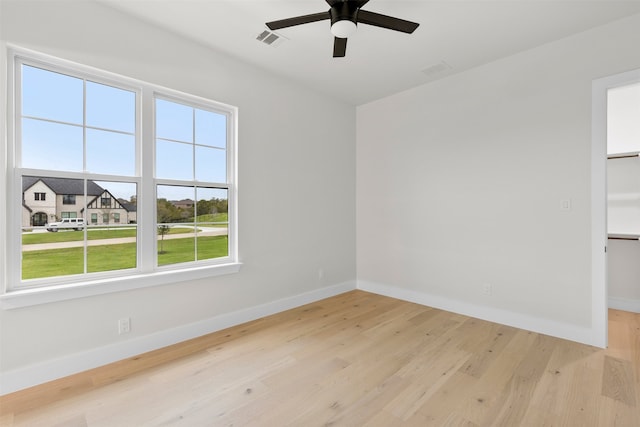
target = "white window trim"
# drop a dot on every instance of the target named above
(147, 274)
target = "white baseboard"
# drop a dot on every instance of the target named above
(509, 318)
(50, 370)
(625, 304)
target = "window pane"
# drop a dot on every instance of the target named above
(110, 108)
(110, 153)
(61, 251)
(176, 235)
(53, 146)
(212, 205)
(211, 129)
(174, 121)
(174, 160)
(50, 95)
(175, 204)
(113, 215)
(212, 223)
(211, 164)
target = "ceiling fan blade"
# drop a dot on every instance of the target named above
(339, 47)
(384, 21)
(298, 20)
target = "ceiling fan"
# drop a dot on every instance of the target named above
(344, 16)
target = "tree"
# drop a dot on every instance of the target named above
(168, 212)
(162, 230)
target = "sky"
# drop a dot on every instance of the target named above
(66, 119)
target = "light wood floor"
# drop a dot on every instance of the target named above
(354, 360)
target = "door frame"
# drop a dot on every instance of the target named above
(599, 288)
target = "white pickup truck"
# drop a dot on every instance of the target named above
(67, 223)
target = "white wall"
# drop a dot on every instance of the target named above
(460, 183)
(624, 274)
(296, 200)
(623, 126)
(623, 195)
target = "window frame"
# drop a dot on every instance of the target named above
(14, 291)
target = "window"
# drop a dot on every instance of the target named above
(192, 194)
(78, 133)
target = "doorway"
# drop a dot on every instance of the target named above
(39, 219)
(623, 197)
(599, 195)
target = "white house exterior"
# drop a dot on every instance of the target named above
(46, 200)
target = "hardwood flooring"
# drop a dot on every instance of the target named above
(357, 359)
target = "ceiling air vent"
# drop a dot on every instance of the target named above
(270, 38)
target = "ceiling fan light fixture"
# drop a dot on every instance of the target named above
(345, 15)
(343, 28)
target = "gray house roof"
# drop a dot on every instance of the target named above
(130, 207)
(63, 185)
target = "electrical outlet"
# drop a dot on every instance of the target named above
(487, 289)
(124, 325)
(320, 274)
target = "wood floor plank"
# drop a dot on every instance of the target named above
(617, 380)
(485, 398)
(357, 359)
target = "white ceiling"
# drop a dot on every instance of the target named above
(379, 62)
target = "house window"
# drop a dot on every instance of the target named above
(90, 150)
(191, 165)
(40, 196)
(65, 215)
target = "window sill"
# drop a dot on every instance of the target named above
(45, 295)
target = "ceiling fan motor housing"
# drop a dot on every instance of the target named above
(346, 10)
(344, 18)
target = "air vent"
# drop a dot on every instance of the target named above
(435, 69)
(270, 38)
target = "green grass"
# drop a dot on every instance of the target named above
(68, 261)
(49, 263)
(183, 250)
(92, 234)
(217, 217)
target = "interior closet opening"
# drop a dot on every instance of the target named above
(601, 89)
(623, 197)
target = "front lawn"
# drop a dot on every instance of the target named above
(68, 261)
